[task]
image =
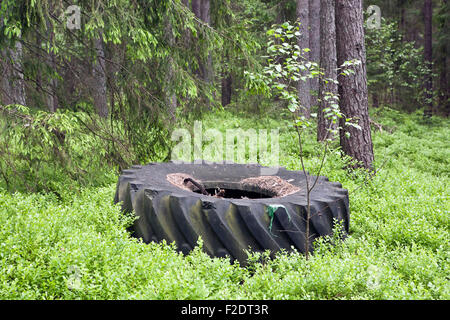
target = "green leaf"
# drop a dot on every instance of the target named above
(292, 107)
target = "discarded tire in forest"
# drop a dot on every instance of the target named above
(244, 211)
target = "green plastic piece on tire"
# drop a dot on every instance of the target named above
(271, 209)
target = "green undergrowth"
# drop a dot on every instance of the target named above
(398, 247)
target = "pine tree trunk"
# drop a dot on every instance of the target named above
(428, 55)
(444, 104)
(205, 11)
(201, 9)
(99, 83)
(206, 17)
(328, 63)
(314, 43)
(401, 5)
(227, 81)
(12, 80)
(444, 88)
(375, 100)
(196, 5)
(170, 96)
(353, 88)
(52, 97)
(12, 84)
(303, 87)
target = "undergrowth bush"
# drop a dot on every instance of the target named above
(398, 246)
(64, 151)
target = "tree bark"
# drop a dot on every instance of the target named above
(328, 63)
(204, 11)
(353, 88)
(12, 80)
(443, 84)
(314, 43)
(227, 82)
(52, 97)
(428, 55)
(12, 84)
(303, 87)
(170, 96)
(201, 9)
(401, 5)
(444, 88)
(196, 8)
(99, 77)
(206, 17)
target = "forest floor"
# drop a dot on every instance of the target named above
(398, 246)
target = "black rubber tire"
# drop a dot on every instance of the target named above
(227, 226)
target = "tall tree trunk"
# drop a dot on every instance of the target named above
(196, 8)
(12, 80)
(52, 97)
(227, 78)
(201, 9)
(206, 17)
(227, 82)
(205, 14)
(401, 5)
(444, 104)
(444, 88)
(353, 88)
(12, 84)
(314, 43)
(99, 77)
(170, 96)
(375, 100)
(428, 55)
(328, 63)
(303, 87)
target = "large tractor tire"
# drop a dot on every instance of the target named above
(250, 216)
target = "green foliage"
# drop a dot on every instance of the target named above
(395, 68)
(285, 67)
(397, 248)
(68, 241)
(80, 250)
(57, 152)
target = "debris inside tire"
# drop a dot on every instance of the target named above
(226, 205)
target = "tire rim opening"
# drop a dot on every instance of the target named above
(237, 193)
(261, 187)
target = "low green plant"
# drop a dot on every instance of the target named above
(397, 248)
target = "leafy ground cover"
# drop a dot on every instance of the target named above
(78, 248)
